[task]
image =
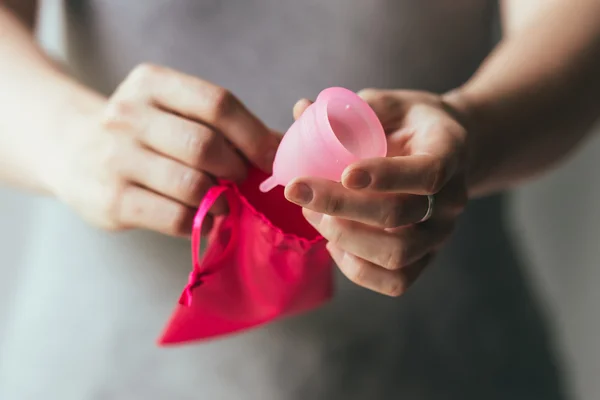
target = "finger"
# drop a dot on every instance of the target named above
(300, 107)
(418, 174)
(205, 102)
(376, 209)
(387, 106)
(371, 276)
(390, 250)
(140, 208)
(194, 144)
(170, 178)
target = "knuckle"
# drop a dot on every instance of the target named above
(201, 143)
(369, 94)
(381, 99)
(333, 230)
(397, 287)
(114, 200)
(333, 205)
(144, 73)
(223, 103)
(356, 272)
(118, 113)
(394, 258)
(436, 177)
(192, 185)
(111, 203)
(138, 82)
(178, 221)
(392, 216)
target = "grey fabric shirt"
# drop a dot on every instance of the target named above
(88, 305)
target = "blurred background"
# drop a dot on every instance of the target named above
(554, 223)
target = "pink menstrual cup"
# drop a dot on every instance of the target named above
(338, 129)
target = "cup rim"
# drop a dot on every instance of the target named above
(365, 112)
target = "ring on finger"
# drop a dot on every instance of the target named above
(430, 205)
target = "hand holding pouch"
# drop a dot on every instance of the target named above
(263, 262)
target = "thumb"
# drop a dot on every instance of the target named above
(300, 107)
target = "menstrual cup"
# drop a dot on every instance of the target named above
(338, 129)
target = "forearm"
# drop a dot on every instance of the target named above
(37, 103)
(535, 97)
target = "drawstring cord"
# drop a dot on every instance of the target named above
(196, 275)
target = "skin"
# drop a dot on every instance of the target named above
(371, 219)
(531, 102)
(152, 150)
(144, 157)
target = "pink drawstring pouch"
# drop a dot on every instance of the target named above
(263, 261)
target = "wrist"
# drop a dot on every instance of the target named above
(76, 111)
(469, 113)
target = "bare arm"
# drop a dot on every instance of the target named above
(143, 158)
(536, 96)
(530, 103)
(36, 101)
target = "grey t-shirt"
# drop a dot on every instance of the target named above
(88, 305)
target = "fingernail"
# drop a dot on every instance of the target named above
(299, 193)
(312, 216)
(357, 179)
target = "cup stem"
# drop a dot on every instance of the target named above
(268, 184)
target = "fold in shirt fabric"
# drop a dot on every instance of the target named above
(263, 261)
